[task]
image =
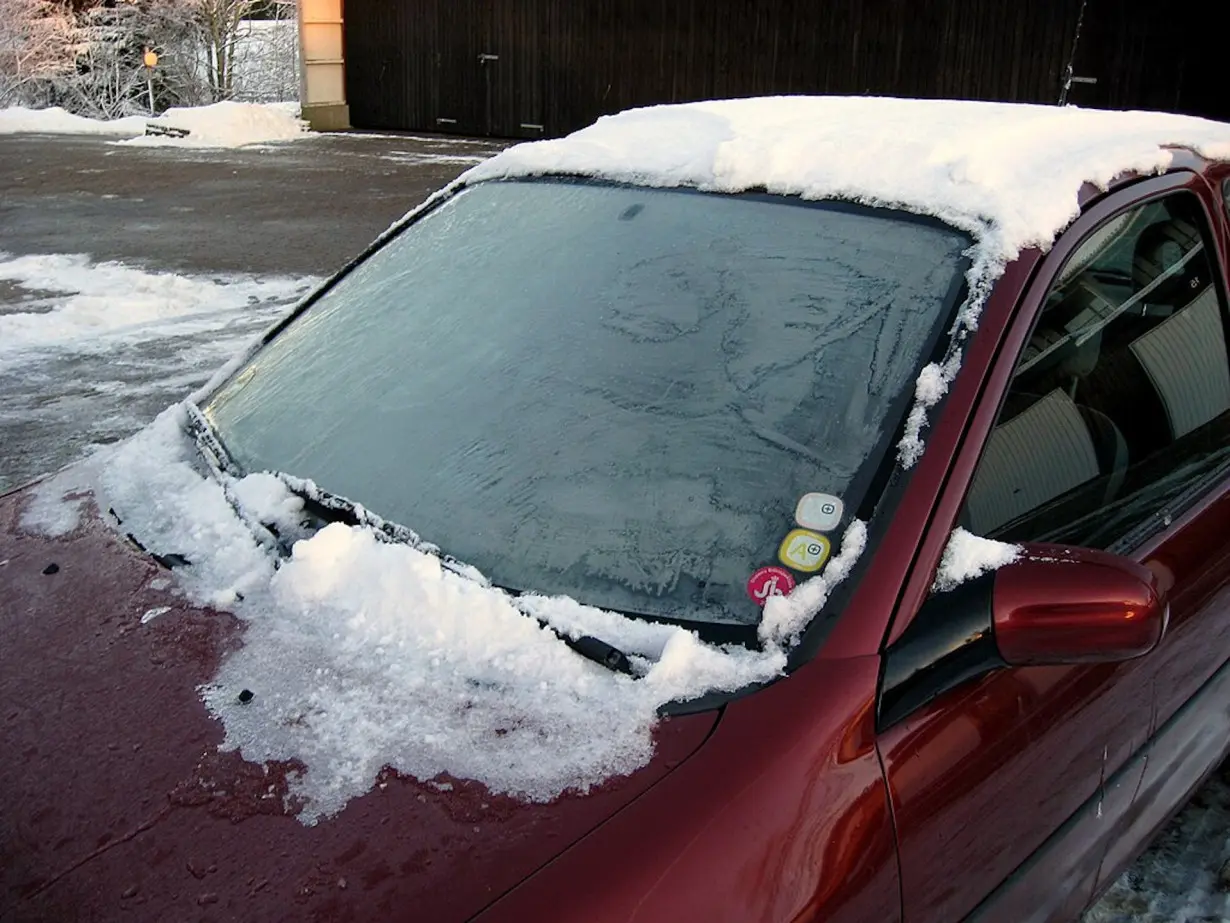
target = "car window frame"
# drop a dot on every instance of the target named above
(1141, 531)
(981, 417)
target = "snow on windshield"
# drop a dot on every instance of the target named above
(363, 653)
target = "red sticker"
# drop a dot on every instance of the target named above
(769, 581)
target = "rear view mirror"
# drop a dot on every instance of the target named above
(1053, 605)
(1059, 605)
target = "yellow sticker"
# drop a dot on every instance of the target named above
(804, 550)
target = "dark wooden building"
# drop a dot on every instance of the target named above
(540, 68)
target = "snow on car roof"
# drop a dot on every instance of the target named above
(1008, 173)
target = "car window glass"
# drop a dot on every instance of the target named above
(613, 393)
(1119, 409)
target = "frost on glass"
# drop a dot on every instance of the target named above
(613, 393)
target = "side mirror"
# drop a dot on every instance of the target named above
(1058, 605)
(1054, 605)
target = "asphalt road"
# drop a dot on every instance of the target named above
(300, 207)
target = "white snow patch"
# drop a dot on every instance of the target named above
(53, 509)
(364, 653)
(110, 304)
(150, 614)
(56, 121)
(968, 556)
(227, 124)
(1010, 173)
(785, 617)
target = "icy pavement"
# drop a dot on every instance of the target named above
(90, 352)
(1179, 880)
(244, 231)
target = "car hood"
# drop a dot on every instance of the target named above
(117, 800)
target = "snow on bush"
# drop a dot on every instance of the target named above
(967, 556)
(364, 654)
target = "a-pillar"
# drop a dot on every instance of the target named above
(322, 74)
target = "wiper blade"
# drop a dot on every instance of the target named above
(597, 650)
(328, 507)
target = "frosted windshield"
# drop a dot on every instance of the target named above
(610, 392)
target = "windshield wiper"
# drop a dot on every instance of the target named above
(326, 507)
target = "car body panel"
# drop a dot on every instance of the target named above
(782, 815)
(118, 799)
(1021, 750)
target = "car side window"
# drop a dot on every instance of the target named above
(1225, 193)
(1118, 414)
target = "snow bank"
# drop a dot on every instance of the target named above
(99, 306)
(363, 654)
(968, 556)
(227, 124)
(56, 121)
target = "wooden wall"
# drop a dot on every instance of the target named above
(539, 68)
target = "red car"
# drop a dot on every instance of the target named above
(873, 456)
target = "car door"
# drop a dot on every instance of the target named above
(1191, 553)
(1110, 406)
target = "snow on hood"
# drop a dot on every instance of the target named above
(362, 653)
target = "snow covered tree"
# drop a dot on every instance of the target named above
(36, 45)
(220, 23)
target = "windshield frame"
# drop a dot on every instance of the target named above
(878, 480)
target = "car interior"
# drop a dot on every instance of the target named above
(1124, 382)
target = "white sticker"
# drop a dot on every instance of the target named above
(821, 512)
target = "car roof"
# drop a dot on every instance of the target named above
(1010, 174)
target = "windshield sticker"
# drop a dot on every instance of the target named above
(804, 550)
(821, 512)
(768, 582)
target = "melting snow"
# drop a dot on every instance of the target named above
(363, 653)
(968, 556)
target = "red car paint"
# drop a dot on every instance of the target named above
(1018, 794)
(1100, 609)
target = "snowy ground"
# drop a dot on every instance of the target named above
(102, 325)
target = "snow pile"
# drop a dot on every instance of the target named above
(75, 304)
(227, 124)
(968, 556)
(56, 121)
(1009, 174)
(363, 654)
